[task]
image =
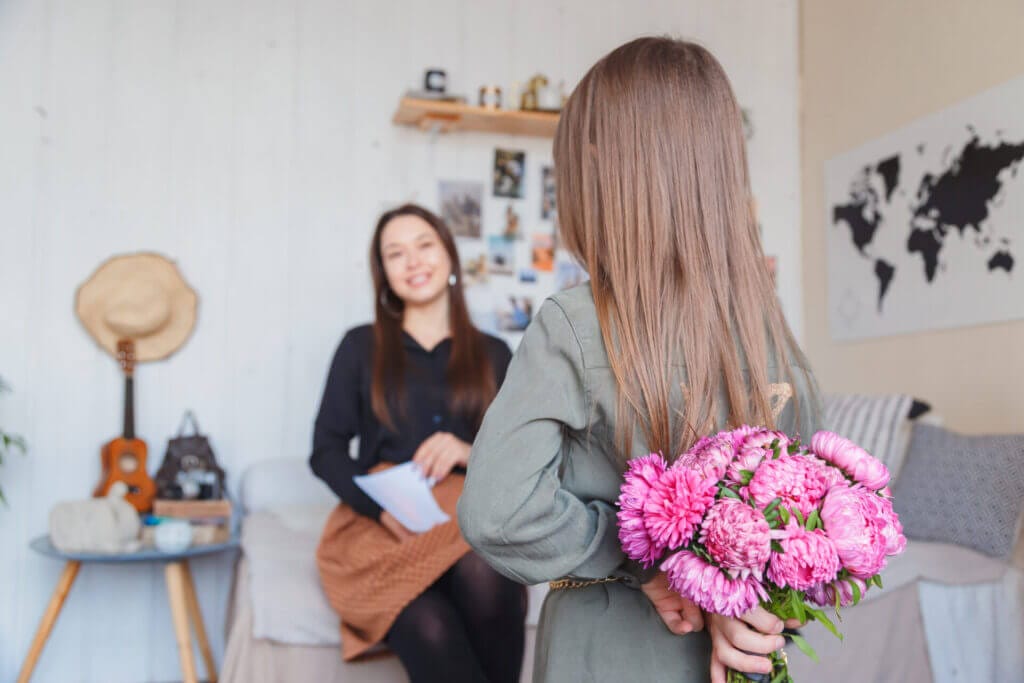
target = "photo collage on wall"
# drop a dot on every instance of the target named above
(512, 263)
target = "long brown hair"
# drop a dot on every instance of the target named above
(471, 384)
(654, 198)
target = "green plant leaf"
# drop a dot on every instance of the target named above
(804, 646)
(729, 493)
(777, 547)
(799, 517)
(856, 591)
(823, 619)
(746, 476)
(785, 515)
(813, 520)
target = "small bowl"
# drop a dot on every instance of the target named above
(173, 536)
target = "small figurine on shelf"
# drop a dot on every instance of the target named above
(530, 97)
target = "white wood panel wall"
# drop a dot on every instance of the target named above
(251, 141)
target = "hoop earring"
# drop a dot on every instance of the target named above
(383, 299)
(452, 279)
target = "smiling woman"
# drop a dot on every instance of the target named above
(414, 386)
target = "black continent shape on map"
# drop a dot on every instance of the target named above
(889, 169)
(862, 230)
(959, 197)
(885, 272)
(928, 243)
(1001, 259)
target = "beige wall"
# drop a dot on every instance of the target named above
(870, 67)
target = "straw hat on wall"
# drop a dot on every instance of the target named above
(141, 297)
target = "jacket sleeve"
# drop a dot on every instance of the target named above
(513, 509)
(336, 424)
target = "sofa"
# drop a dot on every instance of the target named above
(949, 612)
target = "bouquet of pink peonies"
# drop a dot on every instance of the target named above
(751, 517)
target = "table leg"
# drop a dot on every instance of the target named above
(175, 575)
(196, 616)
(60, 594)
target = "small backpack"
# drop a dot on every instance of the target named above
(190, 470)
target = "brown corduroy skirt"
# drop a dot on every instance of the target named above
(369, 576)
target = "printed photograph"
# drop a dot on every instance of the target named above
(511, 223)
(502, 257)
(527, 275)
(548, 207)
(461, 202)
(569, 274)
(509, 168)
(542, 252)
(515, 313)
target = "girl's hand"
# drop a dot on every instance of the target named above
(441, 453)
(679, 614)
(758, 632)
(396, 528)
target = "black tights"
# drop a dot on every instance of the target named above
(468, 627)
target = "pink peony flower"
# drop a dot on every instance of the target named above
(850, 458)
(764, 438)
(850, 518)
(741, 434)
(808, 558)
(888, 522)
(799, 481)
(676, 505)
(641, 474)
(710, 587)
(752, 449)
(824, 595)
(737, 537)
(711, 458)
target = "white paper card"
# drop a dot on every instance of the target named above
(405, 493)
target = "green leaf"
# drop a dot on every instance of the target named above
(746, 476)
(878, 580)
(856, 591)
(729, 493)
(772, 506)
(799, 517)
(777, 547)
(785, 515)
(804, 646)
(813, 520)
(823, 619)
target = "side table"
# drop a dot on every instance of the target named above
(181, 593)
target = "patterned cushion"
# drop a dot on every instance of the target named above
(966, 490)
(879, 424)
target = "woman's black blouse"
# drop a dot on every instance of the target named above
(346, 412)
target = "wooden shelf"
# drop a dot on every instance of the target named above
(446, 117)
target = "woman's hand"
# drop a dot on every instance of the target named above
(441, 453)
(397, 529)
(758, 632)
(679, 614)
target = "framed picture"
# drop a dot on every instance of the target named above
(461, 204)
(509, 168)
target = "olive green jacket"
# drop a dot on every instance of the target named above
(539, 500)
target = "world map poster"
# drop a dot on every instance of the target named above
(926, 225)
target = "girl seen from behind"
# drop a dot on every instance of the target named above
(677, 334)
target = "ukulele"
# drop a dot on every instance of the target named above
(124, 458)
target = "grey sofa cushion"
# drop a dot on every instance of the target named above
(966, 490)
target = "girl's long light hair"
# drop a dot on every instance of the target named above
(654, 199)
